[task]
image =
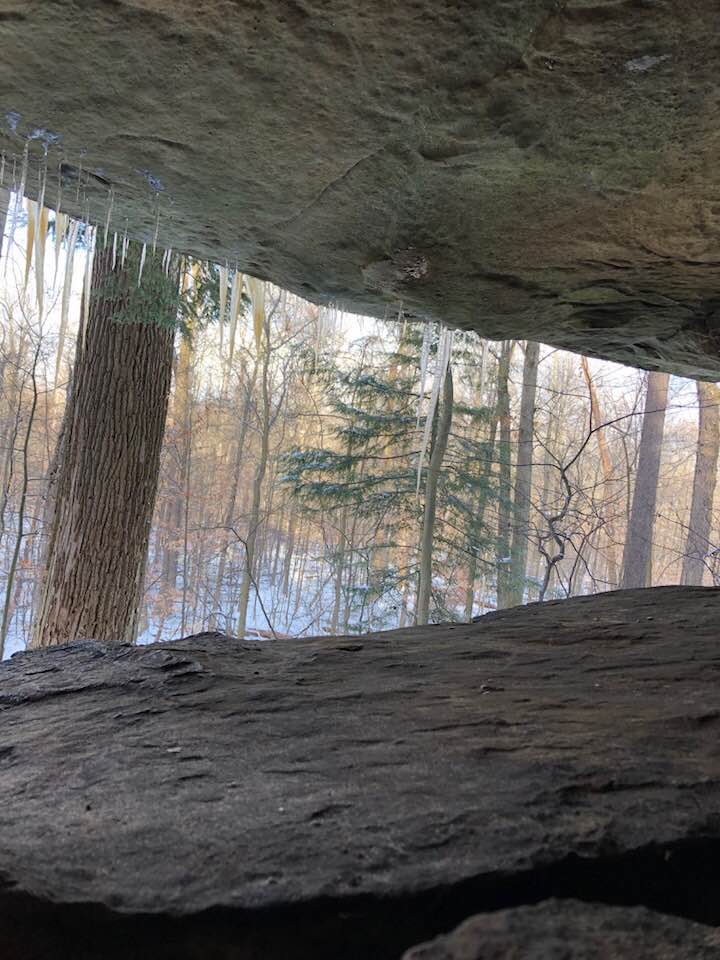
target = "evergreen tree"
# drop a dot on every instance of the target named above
(368, 470)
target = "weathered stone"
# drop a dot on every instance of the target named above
(568, 930)
(351, 797)
(529, 168)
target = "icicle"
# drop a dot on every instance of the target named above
(13, 218)
(23, 172)
(443, 358)
(123, 256)
(424, 357)
(109, 214)
(41, 226)
(235, 307)
(142, 262)
(157, 226)
(481, 384)
(223, 291)
(90, 234)
(32, 220)
(256, 289)
(67, 288)
(318, 335)
(114, 252)
(40, 243)
(60, 228)
(79, 178)
(43, 184)
(58, 201)
(224, 276)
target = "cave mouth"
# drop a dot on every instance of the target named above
(681, 879)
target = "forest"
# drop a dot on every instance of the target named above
(308, 470)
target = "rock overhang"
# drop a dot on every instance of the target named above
(526, 168)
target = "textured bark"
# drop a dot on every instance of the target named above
(698, 544)
(637, 557)
(440, 441)
(505, 466)
(523, 474)
(107, 479)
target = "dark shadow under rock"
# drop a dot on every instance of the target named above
(355, 796)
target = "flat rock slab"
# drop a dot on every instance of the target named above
(378, 789)
(527, 168)
(568, 930)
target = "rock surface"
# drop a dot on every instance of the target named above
(529, 168)
(354, 796)
(573, 931)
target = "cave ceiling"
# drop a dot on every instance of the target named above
(526, 168)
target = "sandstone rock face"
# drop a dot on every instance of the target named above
(528, 168)
(351, 797)
(573, 931)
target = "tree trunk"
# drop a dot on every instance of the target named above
(637, 557)
(523, 475)
(107, 480)
(698, 538)
(252, 537)
(504, 596)
(440, 442)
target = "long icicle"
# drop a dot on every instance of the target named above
(142, 263)
(123, 254)
(40, 243)
(16, 208)
(256, 289)
(235, 307)
(32, 221)
(157, 225)
(67, 288)
(61, 223)
(111, 201)
(90, 234)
